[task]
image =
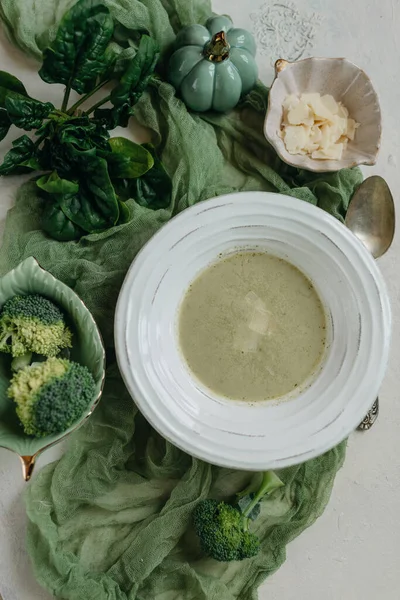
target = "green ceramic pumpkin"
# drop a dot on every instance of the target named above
(214, 65)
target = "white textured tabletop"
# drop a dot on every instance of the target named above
(353, 551)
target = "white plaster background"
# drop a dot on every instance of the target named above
(353, 551)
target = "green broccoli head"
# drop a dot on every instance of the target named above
(32, 323)
(222, 531)
(51, 395)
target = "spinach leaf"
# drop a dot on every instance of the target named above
(122, 62)
(117, 60)
(124, 212)
(153, 189)
(107, 117)
(47, 128)
(26, 113)
(53, 184)
(56, 157)
(135, 69)
(98, 183)
(124, 189)
(82, 204)
(77, 55)
(58, 226)
(83, 135)
(9, 83)
(118, 116)
(21, 158)
(137, 75)
(5, 124)
(127, 159)
(126, 37)
(81, 210)
(96, 199)
(61, 152)
(30, 164)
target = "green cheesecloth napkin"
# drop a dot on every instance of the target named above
(111, 519)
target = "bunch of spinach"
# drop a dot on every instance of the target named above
(88, 175)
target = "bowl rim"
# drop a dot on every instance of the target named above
(170, 430)
(318, 166)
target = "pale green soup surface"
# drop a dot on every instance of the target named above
(252, 327)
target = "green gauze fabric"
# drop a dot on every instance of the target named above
(111, 519)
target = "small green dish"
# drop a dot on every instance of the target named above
(88, 349)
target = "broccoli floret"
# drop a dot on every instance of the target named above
(32, 323)
(223, 528)
(220, 528)
(51, 395)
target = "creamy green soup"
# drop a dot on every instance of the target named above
(252, 327)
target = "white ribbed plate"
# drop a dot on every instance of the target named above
(270, 434)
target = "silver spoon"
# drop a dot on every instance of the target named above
(371, 217)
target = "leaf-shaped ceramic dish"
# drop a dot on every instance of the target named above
(347, 83)
(28, 278)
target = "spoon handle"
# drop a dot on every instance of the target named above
(370, 417)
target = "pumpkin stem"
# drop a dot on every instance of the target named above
(217, 48)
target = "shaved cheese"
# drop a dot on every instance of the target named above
(310, 148)
(316, 134)
(300, 115)
(330, 104)
(291, 101)
(340, 124)
(343, 112)
(334, 152)
(325, 137)
(316, 125)
(314, 101)
(295, 138)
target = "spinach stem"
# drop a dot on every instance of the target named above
(40, 139)
(86, 96)
(97, 105)
(66, 98)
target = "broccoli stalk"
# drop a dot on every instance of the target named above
(223, 529)
(20, 362)
(51, 395)
(269, 483)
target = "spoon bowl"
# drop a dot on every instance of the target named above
(371, 215)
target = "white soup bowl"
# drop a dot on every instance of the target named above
(267, 434)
